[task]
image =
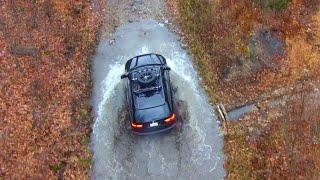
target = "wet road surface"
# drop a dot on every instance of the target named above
(193, 150)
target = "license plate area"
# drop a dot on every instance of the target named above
(154, 124)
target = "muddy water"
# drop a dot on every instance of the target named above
(193, 150)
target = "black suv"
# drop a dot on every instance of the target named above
(149, 94)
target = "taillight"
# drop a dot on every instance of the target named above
(136, 125)
(170, 119)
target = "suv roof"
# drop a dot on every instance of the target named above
(147, 93)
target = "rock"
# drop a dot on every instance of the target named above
(183, 45)
(265, 46)
(133, 9)
(24, 51)
(33, 23)
(112, 42)
(305, 73)
(95, 5)
(3, 53)
(255, 134)
(225, 72)
(138, 2)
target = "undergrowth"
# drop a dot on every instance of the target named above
(273, 4)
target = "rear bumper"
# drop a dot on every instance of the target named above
(155, 131)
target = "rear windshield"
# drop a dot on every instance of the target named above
(149, 100)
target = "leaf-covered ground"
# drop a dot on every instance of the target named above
(279, 142)
(45, 116)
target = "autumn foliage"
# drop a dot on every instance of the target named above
(45, 74)
(218, 35)
(276, 141)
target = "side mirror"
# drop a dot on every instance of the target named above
(124, 76)
(167, 68)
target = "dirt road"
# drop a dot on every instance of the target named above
(191, 151)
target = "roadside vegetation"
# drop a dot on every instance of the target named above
(45, 72)
(281, 142)
(260, 51)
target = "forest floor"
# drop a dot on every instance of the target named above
(264, 53)
(45, 72)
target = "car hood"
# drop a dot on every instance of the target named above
(152, 114)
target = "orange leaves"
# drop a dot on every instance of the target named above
(276, 143)
(41, 93)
